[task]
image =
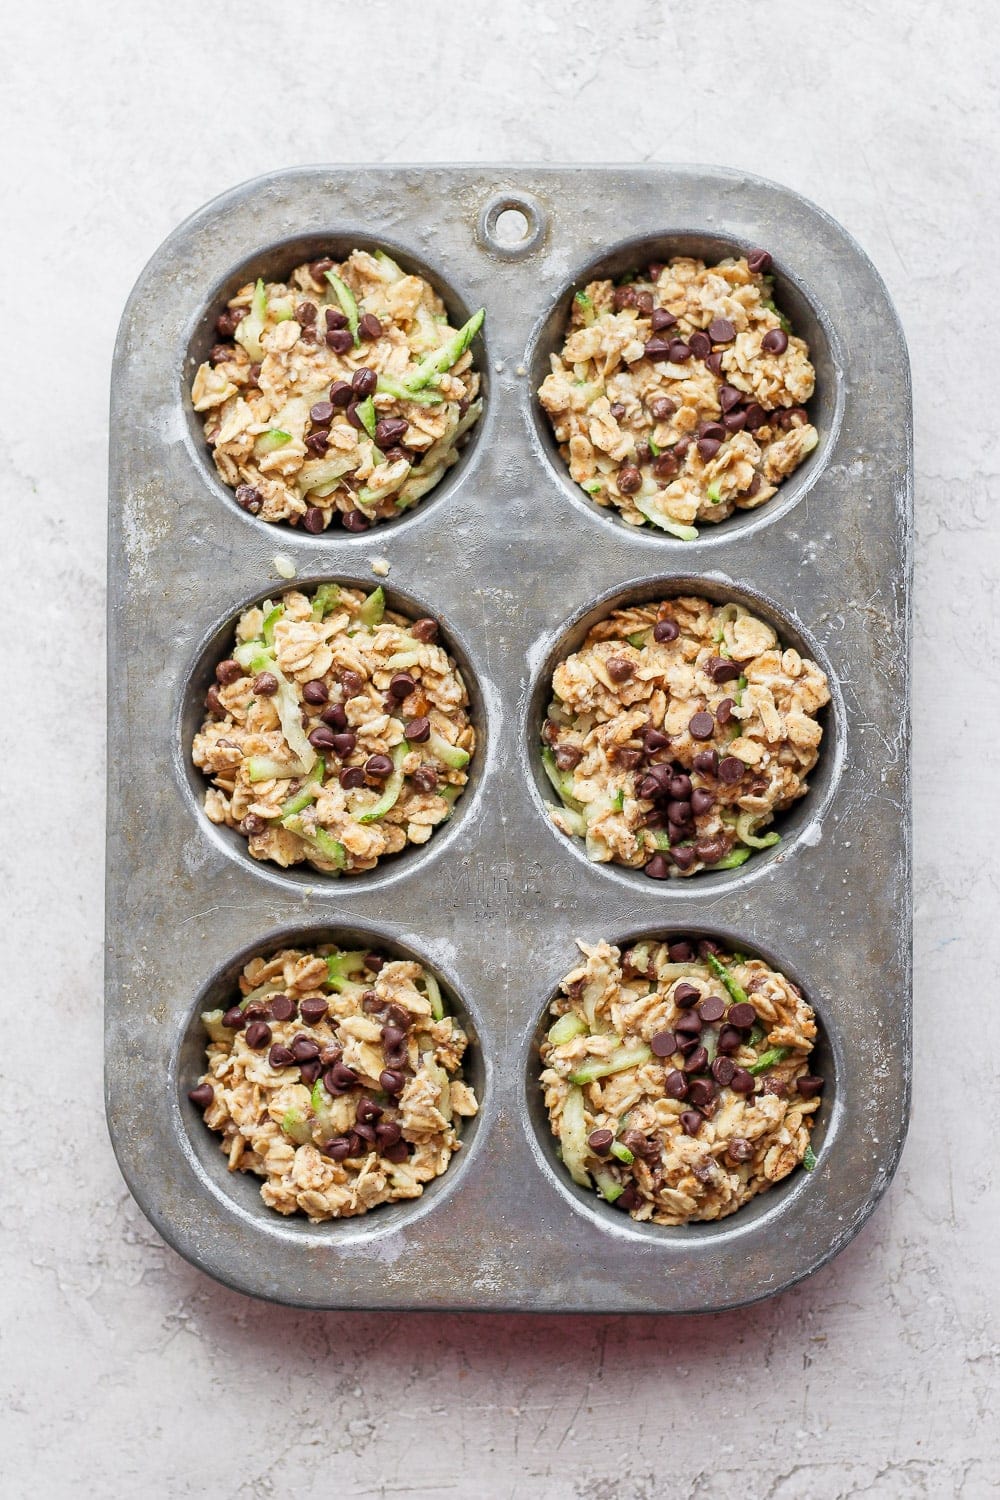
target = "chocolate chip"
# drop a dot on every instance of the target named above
(666, 465)
(756, 416)
(353, 520)
(364, 382)
(228, 321)
(425, 630)
(628, 1199)
(388, 1133)
(417, 731)
(712, 430)
(680, 953)
(315, 691)
(313, 1009)
(675, 1085)
(742, 1015)
(653, 740)
(378, 767)
(731, 770)
(708, 448)
(624, 296)
(401, 685)
(775, 341)
(685, 994)
(702, 1090)
(663, 1044)
(599, 1141)
(304, 1049)
(658, 349)
(317, 442)
(249, 499)
(666, 630)
(338, 1079)
(729, 397)
(389, 431)
(769, 1084)
(702, 726)
(714, 363)
(739, 1150)
(662, 408)
(679, 787)
(425, 779)
(809, 1085)
(724, 711)
(658, 868)
(309, 1072)
(617, 410)
(282, 1007)
(234, 1019)
(679, 352)
(620, 669)
(713, 1008)
(707, 762)
(730, 1040)
(721, 331)
(701, 345)
(322, 737)
(691, 1122)
(734, 421)
(682, 856)
(391, 1081)
(397, 1153)
(202, 1096)
(280, 1056)
(338, 1148)
(314, 521)
(341, 393)
(339, 340)
(702, 801)
(322, 413)
(759, 261)
(258, 1035)
(679, 813)
(662, 319)
(696, 1061)
(723, 1069)
(335, 717)
(741, 1082)
(375, 962)
(228, 671)
(629, 479)
(688, 1026)
(680, 448)
(369, 327)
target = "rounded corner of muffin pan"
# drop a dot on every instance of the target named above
(276, 259)
(765, 1215)
(238, 1193)
(810, 320)
(304, 880)
(797, 825)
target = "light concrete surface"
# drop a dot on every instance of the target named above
(125, 1371)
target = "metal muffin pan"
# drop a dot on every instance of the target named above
(515, 561)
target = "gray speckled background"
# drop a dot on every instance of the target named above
(123, 1367)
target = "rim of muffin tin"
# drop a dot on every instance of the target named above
(794, 824)
(759, 1213)
(239, 1192)
(273, 260)
(303, 879)
(793, 295)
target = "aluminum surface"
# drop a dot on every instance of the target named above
(511, 557)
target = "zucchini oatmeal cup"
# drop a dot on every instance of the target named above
(678, 394)
(676, 733)
(341, 395)
(676, 1078)
(336, 1077)
(336, 732)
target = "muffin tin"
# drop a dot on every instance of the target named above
(516, 563)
